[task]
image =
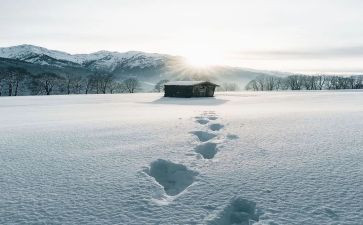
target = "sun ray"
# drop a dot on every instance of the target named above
(202, 59)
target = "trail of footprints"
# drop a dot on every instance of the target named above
(207, 149)
(175, 178)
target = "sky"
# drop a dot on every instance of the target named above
(309, 36)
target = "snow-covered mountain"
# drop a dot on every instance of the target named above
(147, 67)
(102, 60)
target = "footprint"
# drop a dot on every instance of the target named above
(331, 213)
(216, 126)
(174, 178)
(232, 136)
(202, 121)
(212, 117)
(209, 113)
(204, 136)
(238, 211)
(327, 212)
(207, 150)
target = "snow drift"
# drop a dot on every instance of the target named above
(295, 156)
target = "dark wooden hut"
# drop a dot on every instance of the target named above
(188, 89)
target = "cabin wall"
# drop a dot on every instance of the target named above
(179, 91)
(210, 90)
(202, 90)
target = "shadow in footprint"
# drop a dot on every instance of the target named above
(203, 136)
(202, 121)
(238, 211)
(212, 117)
(232, 136)
(216, 126)
(207, 150)
(175, 178)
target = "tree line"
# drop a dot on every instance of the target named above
(16, 81)
(305, 82)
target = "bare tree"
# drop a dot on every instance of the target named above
(77, 84)
(229, 87)
(260, 81)
(68, 83)
(308, 82)
(88, 84)
(105, 82)
(332, 82)
(320, 82)
(265, 83)
(294, 82)
(98, 83)
(358, 84)
(279, 83)
(131, 84)
(2, 78)
(14, 76)
(117, 87)
(94, 84)
(252, 85)
(45, 83)
(270, 83)
(72, 84)
(159, 87)
(350, 81)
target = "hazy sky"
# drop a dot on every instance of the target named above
(290, 35)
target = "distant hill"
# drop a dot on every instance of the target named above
(149, 68)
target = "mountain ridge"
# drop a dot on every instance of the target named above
(148, 67)
(32, 54)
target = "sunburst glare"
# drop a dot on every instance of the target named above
(202, 59)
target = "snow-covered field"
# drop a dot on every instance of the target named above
(273, 158)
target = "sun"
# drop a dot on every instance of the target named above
(201, 60)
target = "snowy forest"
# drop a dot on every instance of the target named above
(15, 81)
(305, 82)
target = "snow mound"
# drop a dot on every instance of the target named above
(240, 211)
(216, 126)
(207, 150)
(174, 178)
(203, 136)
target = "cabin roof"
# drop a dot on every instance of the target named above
(188, 83)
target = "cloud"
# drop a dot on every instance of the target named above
(341, 52)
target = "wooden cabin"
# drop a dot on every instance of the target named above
(188, 89)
